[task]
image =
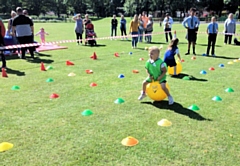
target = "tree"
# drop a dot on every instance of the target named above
(130, 7)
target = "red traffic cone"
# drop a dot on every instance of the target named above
(54, 96)
(93, 84)
(4, 73)
(94, 56)
(42, 67)
(116, 54)
(69, 63)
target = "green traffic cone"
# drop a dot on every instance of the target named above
(217, 98)
(49, 67)
(229, 90)
(186, 78)
(194, 107)
(87, 112)
(15, 87)
(119, 101)
(49, 80)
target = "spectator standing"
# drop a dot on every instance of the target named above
(140, 28)
(134, 30)
(192, 25)
(149, 29)
(114, 23)
(167, 22)
(9, 30)
(79, 26)
(2, 34)
(145, 21)
(123, 24)
(229, 29)
(212, 31)
(86, 21)
(23, 29)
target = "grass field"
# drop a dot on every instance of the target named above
(51, 132)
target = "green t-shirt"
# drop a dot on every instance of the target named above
(154, 68)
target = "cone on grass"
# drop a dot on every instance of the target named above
(54, 96)
(135, 71)
(87, 112)
(71, 74)
(93, 84)
(164, 123)
(4, 73)
(42, 67)
(211, 68)
(89, 71)
(69, 63)
(175, 34)
(4, 146)
(194, 107)
(116, 54)
(129, 141)
(193, 57)
(94, 56)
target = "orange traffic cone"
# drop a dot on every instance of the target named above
(69, 63)
(129, 141)
(4, 73)
(42, 67)
(175, 34)
(94, 56)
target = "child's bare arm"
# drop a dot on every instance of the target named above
(164, 71)
(179, 57)
(149, 75)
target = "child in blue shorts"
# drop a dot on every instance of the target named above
(172, 50)
(156, 70)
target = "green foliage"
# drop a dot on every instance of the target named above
(103, 8)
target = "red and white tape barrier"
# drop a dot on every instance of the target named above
(9, 47)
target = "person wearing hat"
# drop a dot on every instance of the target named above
(167, 22)
(191, 23)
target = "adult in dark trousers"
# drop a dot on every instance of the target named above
(167, 22)
(229, 29)
(2, 34)
(25, 12)
(192, 26)
(79, 26)
(123, 24)
(114, 23)
(23, 30)
(212, 30)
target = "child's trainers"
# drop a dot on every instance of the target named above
(170, 100)
(143, 95)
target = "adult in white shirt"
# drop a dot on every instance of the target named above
(167, 22)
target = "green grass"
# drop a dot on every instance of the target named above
(53, 132)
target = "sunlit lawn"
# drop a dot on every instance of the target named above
(48, 131)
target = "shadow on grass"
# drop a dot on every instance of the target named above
(16, 72)
(223, 57)
(38, 60)
(42, 54)
(205, 45)
(98, 45)
(192, 78)
(177, 108)
(155, 43)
